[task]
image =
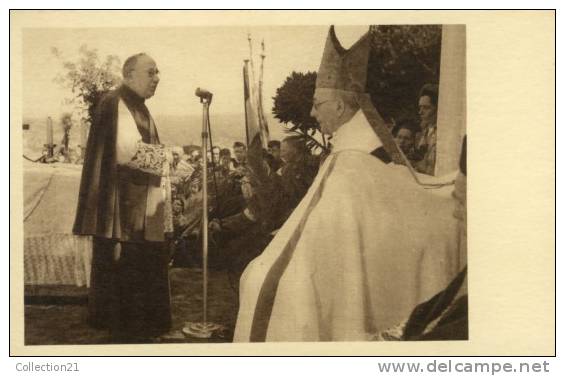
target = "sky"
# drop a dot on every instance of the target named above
(188, 57)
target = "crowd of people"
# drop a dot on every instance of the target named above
(418, 141)
(250, 195)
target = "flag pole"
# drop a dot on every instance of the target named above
(262, 121)
(251, 60)
(246, 94)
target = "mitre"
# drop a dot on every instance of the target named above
(343, 69)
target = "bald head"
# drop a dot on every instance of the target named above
(141, 75)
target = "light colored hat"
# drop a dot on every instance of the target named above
(343, 69)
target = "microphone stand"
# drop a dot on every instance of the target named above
(204, 329)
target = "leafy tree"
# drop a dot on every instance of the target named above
(293, 103)
(88, 79)
(403, 58)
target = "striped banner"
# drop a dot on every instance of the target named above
(256, 130)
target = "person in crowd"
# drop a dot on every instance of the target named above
(179, 218)
(121, 204)
(180, 222)
(240, 153)
(241, 235)
(216, 154)
(240, 161)
(180, 169)
(404, 134)
(426, 140)
(227, 198)
(390, 122)
(225, 161)
(362, 224)
(192, 205)
(196, 158)
(297, 174)
(185, 157)
(188, 224)
(195, 186)
(274, 155)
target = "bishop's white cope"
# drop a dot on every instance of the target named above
(361, 250)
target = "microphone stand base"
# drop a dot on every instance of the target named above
(201, 329)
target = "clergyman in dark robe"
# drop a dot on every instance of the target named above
(121, 204)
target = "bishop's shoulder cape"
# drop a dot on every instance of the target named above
(364, 246)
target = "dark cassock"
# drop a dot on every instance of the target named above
(123, 205)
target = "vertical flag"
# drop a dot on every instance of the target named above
(263, 126)
(256, 124)
(255, 129)
(252, 130)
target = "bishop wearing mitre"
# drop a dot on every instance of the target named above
(366, 244)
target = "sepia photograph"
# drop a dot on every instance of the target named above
(244, 183)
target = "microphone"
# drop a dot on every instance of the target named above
(203, 94)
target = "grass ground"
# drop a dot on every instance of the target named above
(57, 315)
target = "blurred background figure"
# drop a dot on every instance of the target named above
(180, 169)
(389, 122)
(226, 160)
(426, 140)
(196, 160)
(404, 134)
(216, 154)
(240, 161)
(240, 153)
(297, 174)
(273, 156)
